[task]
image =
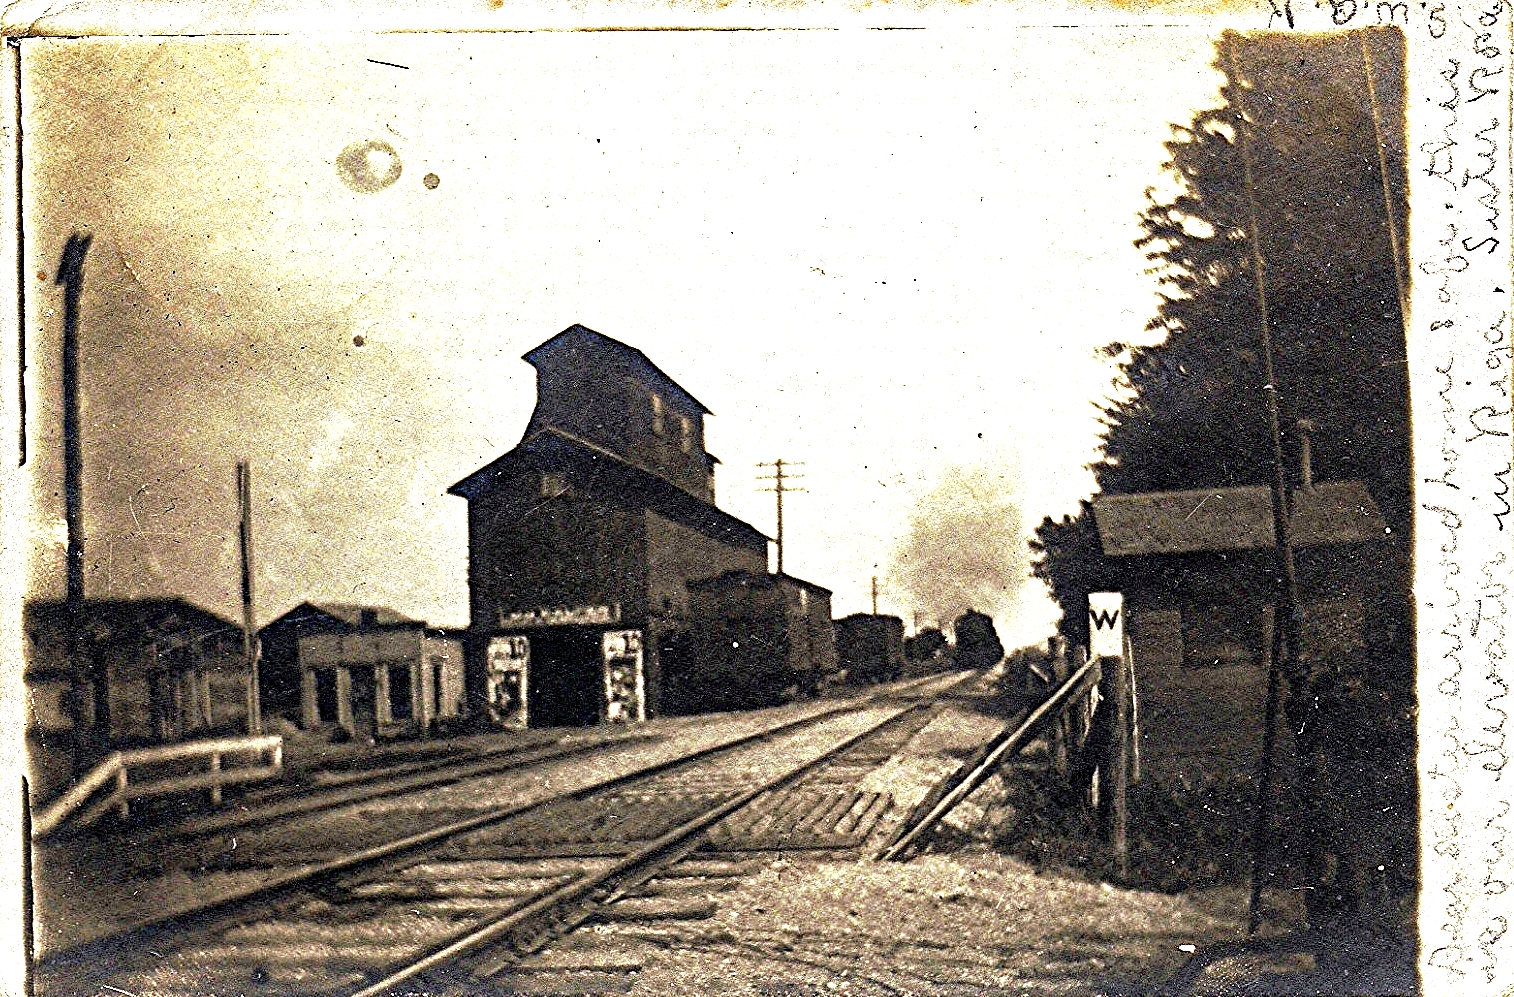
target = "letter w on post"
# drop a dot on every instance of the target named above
(1106, 628)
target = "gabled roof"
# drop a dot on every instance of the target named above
(583, 340)
(145, 618)
(554, 447)
(1225, 519)
(342, 614)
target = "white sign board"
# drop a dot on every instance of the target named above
(625, 688)
(559, 616)
(508, 676)
(1106, 624)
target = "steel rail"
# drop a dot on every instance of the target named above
(536, 922)
(1006, 744)
(423, 777)
(209, 915)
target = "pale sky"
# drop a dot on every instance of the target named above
(889, 255)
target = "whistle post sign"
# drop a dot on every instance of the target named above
(1106, 624)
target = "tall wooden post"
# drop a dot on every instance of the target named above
(778, 488)
(779, 480)
(249, 624)
(1106, 642)
(1262, 830)
(83, 670)
(28, 896)
(1284, 664)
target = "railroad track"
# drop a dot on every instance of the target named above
(457, 905)
(256, 810)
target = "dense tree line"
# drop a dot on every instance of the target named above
(1192, 409)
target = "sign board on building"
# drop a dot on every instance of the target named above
(507, 671)
(1106, 624)
(625, 689)
(559, 616)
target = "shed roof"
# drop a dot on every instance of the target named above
(1225, 519)
(586, 343)
(142, 618)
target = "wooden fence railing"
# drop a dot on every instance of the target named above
(1069, 697)
(1091, 743)
(124, 776)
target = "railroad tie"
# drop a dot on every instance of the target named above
(827, 817)
(711, 869)
(639, 909)
(869, 818)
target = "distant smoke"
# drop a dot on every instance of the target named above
(965, 549)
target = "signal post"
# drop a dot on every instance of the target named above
(1106, 643)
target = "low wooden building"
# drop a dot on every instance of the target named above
(754, 640)
(582, 539)
(279, 674)
(171, 671)
(381, 675)
(1200, 612)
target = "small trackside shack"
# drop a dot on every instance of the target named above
(1201, 617)
(380, 680)
(155, 671)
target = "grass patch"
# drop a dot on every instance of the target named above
(1184, 833)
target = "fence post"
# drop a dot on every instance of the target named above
(122, 807)
(1134, 695)
(1059, 730)
(1106, 641)
(215, 769)
(1084, 761)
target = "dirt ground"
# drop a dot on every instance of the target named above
(973, 922)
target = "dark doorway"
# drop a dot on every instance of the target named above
(684, 690)
(363, 701)
(567, 679)
(399, 693)
(325, 695)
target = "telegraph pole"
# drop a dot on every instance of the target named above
(779, 480)
(875, 595)
(71, 276)
(249, 625)
(1286, 622)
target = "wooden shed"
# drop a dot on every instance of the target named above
(170, 671)
(1200, 604)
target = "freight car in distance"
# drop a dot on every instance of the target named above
(871, 648)
(752, 641)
